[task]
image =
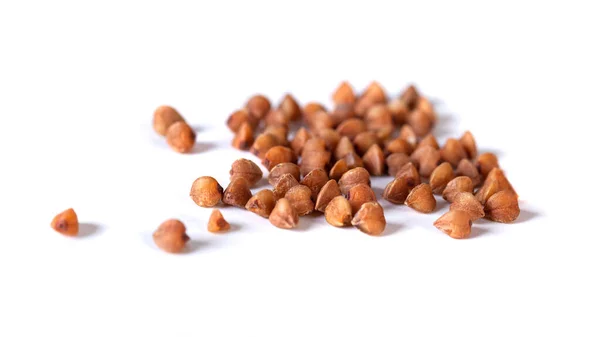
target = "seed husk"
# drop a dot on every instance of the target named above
(467, 202)
(342, 112)
(420, 122)
(502, 207)
(364, 140)
(290, 108)
(262, 203)
(66, 223)
(354, 177)
(284, 184)
(258, 106)
(277, 155)
(396, 191)
(164, 117)
(374, 160)
(315, 180)
(455, 186)
(456, 223)
(180, 137)
(440, 177)
(299, 140)
(238, 118)
(217, 223)
(351, 127)
(408, 134)
(410, 173)
(314, 160)
(410, 96)
(338, 212)
(429, 140)
(344, 94)
(263, 143)
(399, 110)
(453, 152)
(237, 193)
(360, 194)
(467, 168)
(395, 162)
(486, 162)
(399, 146)
(370, 219)
(299, 197)
(244, 138)
(329, 191)
(428, 158)
(338, 169)
(421, 199)
(206, 192)
(246, 169)
(284, 215)
(468, 143)
(171, 236)
(281, 169)
(343, 147)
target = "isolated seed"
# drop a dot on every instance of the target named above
(410, 173)
(258, 106)
(330, 137)
(206, 192)
(421, 199)
(467, 202)
(343, 147)
(408, 134)
(180, 137)
(338, 212)
(364, 140)
(399, 146)
(237, 193)
(284, 184)
(395, 162)
(468, 143)
(360, 194)
(243, 138)
(440, 177)
(238, 118)
(164, 117)
(263, 143)
(486, 162)
(351, 127)
(338, 169)
(279, 132)
(428, 159)
(374, 160)
(453, 152)
(378, 116)
(66, 223)
(342, 112)
(502, 207)
(290, 108)
(284, 215)
(315, 180)
(370, 219)
(329, 191)
(299, 140)
(281, 169)
(420, 122)
(467, 168)
(396, 191)
(455, 186)
(216, 222)
(429, 140)
(277, 155)
(344, 94)
(246, 169)
(456, 223)
(410, 96)
(299, 197)
(171, 236)
(354, 177)
(399, 110)
(262, 203)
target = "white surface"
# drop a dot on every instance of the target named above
(79, 82)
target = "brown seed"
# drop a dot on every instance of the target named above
(238, 118)
(429, 140)
(428, 159)
(284, 184)
(353, 160)
(384, 133)
(206, 192)
(164, 117)
(277, 155)
(237, 193)
(341, 113)
(299, 197)
(315, 180)
(502, 207)
(66, 223)
(331, 138)
(410, 96)
(243, 138)
(360, 194)
(395, 162)
(276, 118)
(351, 127)
(343, 148)
(396, 191)
(354, 177)
(262, 203)
(421, 199)
(246, 169)
(363, 104)
(486, 191)
(440, 177)
(426, 106)
(321, 120)
(258, 106)
(216, 222)
(374, 160)
(313, 107)
(344, 94)
(284, 215)
(314, 145)
(399, 111)
(363, 141)
(486, 162)
(370, 219)
(378, 116)
(453, 152)
(456, 223)
(299, 140)
(180, 137)
(375, 92)
(467, 168)
(408, 134)
(455, 186)
(263, 143)
(171, 236)
(420, 122)
(281, 169)
(399, 146)
(290, 108)
(338, 169)
(338, 212)
(410, 173)
(467, 202)
(279, 132)
(314, 160)
(495, 182)
(468, 143)
(329, 191)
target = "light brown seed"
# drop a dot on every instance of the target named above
(370, 219)
(246, 169)
(341, 113)
(395, 162)
(279, 132)
(351, 127)
(314, 160)
(206, 192)
(354, 177)
(360, 194)
(486, 162)
(440, 177)
(284, 215)
(344, 94)
(338, 169)
(399, 146)
(429, 140)
(408, 134)
(468, 143)
(330, 137)
(399, 110)
(299, 140)
(315, 180)
(329, 191)
(338, 212)
(378, 116)
(321, 120)
(410, 173)
(410, 96)
(396, 191)
(428, 158)
(217, 223)
(420, 122)
(171, 236)
(299, 197)
(502, 207)
(363, 141)
(276, 118)
(421, 199)
(281, 169)
(343, 148)
(453, 152)
(284, 184)
(376, 92)
(467, 202)
(456, 223)
(243, 138)
(455, 186)
(258, 106)
(238, 118)
(164, 117)
(467, 168)
(66, 223)
(289, 106)
(263, 143)
(180, 137)
(237, 193)
(277, 155)
(374, 160)
(262, 203)
(426, 106)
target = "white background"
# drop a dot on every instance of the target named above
(79, 82)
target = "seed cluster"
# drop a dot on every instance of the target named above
(170, 124)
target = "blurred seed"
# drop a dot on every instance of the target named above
(408, 134)
(353, 160)
(262, 203)
(171, 236)
(456, 223)
(314, 145)
(455, 186)
(376, 92)
(467, 202)
(410, 96)
(423, 104)
(354, 177)
(338, 212)
(453, 152)
(299, 140)
(263, 143)
(329, 191)
(238, 118)
(428, 159)
(440, 177)
(281, 169)
(321, 120)
(374, 160)
(502, 207)
(216, 222)
(244, 138)
(237, 193)
(343, 148)
(363, 104)
(351, 127)
(338, 169)
(276, 118)
(429, 140)
(314, 160)
(66, 223)
(363, 141)
(370, 219)
(410, 173)
(299, 197)
(180, 137)
(344, 94)
(284, 215)
(420, 122)
(164, 117)
(399, 111)
(277, 155)
(378, 116)
(313, 107)
(315, 180)
(246, 169)
(395, 162)
(290, 108)
(421, 199)
(206, 192)
(341, 113)
(468, 143)
(360, 194)
(486, 162)
(284, 184)
(399, 146)
(258, 106)
(384, 133)
(396, 191)
(279, 132)
(331, 138)
(467, 168)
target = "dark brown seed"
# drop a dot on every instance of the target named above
(244, 138)
(299, 140)
(453, 152)
(395, 162)
(171, 236)
(399, 146)
(399, 110)
(468, 143)
(370, 219)
(180, 137)
(206, 192)
(351, 127)
(237, 193)
(343, 147)
(258, 106)
(428, 159)
(360, 194)
(331, 138)
(374, 160)
(329, 191)
(344, 94)
(502, 207)
(456, 223)
(281, 169)
(467, 202)
(338, 212)
(410, 173)
(396, 191)
(263, 143)
(467, 168)
(290, 108)
(420, 122)
(354, 177)
(421, 199)
(246, 169)
(440, 177)
(164, 117)
(216, 222)
(408, 134)
(238, 118)
(315, 180)
(277, 155)
(338, 169)
(284, 215)
(363, 141)
(299, 197)
(486, 162)
(262, 203)
(66, 223)
(285, 182)
(455, 186)
(410, 96)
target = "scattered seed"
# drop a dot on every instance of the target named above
(410, 96)
(315, 180)
(285, 182)
(338, 212)
(206, 192)
(329, 191)
(343, 147)
(467, 202)
(421, 199)
(313, 107)
(354, 177)
(370, 219)
(374, 160)
(180, 137)
(341, 113)
(440, 177)
(277, 155)
(244, 138)
(399, 110)
(299, 140)
(290, 108)
(164, 117)
(237, 193)
(299, 197)
(66, 223)
(399, 146)
(284, 215)
(429, 140)
(420, 122)
(330, 136)
(408, 134)
(455, 186)
(321, 120)
(314, 160)
(281, 169)
(276, 118)
(360, 194)
(396, 191)
(216, 222)
(279, 132)
(364, 140)
(410, 173)
(262, 203)
(375, 92)
(353, 160)
(502, 207)
(423, 104)
(246, 169)
(378, 116)
(495, 182)
(456, 223)
(171, 236)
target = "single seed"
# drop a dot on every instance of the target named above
(354, 177)
(375, 92)
(421, 199)
(370, 219)
(420, 122)
(338, 212)
(279, 132)
(281, 169)
(395, 162)
(396, 191)
(429, 140)
(342, 112)
(244, 138)
(258, 106)
(206, 192)
(456, 223)
(216, 222)
(378, 116)
(399, 110)
(180, 137)
(374, 160)
(502, 207)
(467, 168)
(171, 236)
(428, 158)
(321, 120)
(313, 107)
(276, 118)
(338, 169)
(467, 202)
(299, 140)
(453, 152)
(284, 184)
(399, 146)
(486, 162)
(262, 203)
(410, 96)
(66, 223)
(363, 104)
(164, 117)
(290, 108)
(440, 177)
(384, 133)
(343, 147)
(237, 193)
(329, 191)
(263, 143)
(353, 160)
(238, 118)
(299, 197)
(410, 173)
(455, 186)
(468, 143)
(246, 169)
(315, 180)
(408, 134)
(486, 191)
(277, 155)
(330, 136)
(344, 94)
(423, 104)
(314, 160)
(351, 127)
(364, 140)
(314, 145)
(360, 194)
(284, 215)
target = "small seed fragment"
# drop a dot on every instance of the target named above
(421, 199)
(216, 222)
(351, 127)
(486, 162)
(180, 137)
(299, 140)
(315, 180)
(468, 169)
(395, 162)
(239, 118)
(453, 152)
(263, 143)
(370, 219)
(344, 94)
(410, 173)
(467, 202)
(455, 186)
(171, 236)
(277, 155)
(66, 223)
(329, 191)
(258, 106)
(281, 169)
(246, 169)
(338, 212)
(468, 143)
(244, 138)
(428, 158)
(354, 177)
(237, 193)
(374, 160)
(299, 197)
(360, 194)
(338, 169)
(396, 191)
(285, 182)
(206, 192)
(502, 207)
(262, 203)
(164, 117)
(456, 223)
(284, 215)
